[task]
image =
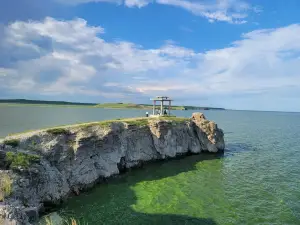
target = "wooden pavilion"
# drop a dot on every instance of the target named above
(162, 111)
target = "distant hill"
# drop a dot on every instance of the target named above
(103, 105)
(42, 102)
(132, 106)
(201, 108)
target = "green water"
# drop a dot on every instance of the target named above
(256, 181)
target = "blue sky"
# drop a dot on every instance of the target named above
(237, 54)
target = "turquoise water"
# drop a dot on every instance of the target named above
(256, 181)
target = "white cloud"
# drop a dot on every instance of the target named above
(65, 56)
(174, 51)
(231, 11)
(50, 61)
(137, 3)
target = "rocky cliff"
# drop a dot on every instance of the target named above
(42, 168)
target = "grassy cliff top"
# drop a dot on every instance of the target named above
(11, 139)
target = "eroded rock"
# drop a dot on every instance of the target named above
(78, 157)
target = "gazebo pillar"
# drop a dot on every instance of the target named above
(161, 106)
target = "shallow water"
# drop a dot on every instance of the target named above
(257, 181)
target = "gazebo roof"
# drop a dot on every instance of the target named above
(161, 98)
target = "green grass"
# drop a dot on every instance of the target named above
(12, 142)
(108, 123)
(57, 131)
(43, 105)
(20, 159)
(5, 186)
(138, 121)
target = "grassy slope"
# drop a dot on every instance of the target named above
(24, 102)
(40, 102)
(139, 121)
(5, 187)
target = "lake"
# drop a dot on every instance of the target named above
(256, 181)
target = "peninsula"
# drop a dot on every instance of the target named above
(41, 169)
(119, 105)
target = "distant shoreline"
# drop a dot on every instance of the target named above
(25, 102)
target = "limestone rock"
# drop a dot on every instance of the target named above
(212, 137)
(2, 159)
(78, 157)
(198, 116)
(32, 214)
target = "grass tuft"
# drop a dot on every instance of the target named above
(107, 123)
(21, 159)
(5, 186)
(12, 142)
(57, 131)
(139, 122)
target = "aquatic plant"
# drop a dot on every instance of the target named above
(20, 159)
(71, 221)
(5, 186)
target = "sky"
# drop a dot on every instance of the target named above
(236, 54)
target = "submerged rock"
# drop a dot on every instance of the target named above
(47, 166)
(55, 219)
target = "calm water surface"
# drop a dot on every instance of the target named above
(257, 181)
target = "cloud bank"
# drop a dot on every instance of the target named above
(70, 58)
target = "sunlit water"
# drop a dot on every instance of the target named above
(257, 181)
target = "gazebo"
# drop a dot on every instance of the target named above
(161, 100)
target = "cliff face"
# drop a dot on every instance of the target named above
(45, 167)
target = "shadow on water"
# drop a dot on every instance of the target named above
(112, 202)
